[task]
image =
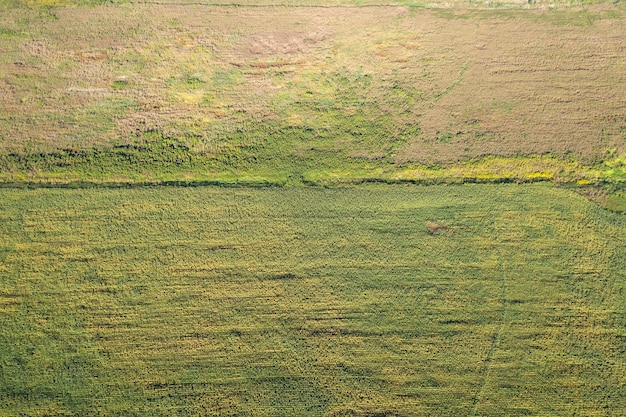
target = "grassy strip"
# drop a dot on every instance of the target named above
(167, 162)
(172, 162)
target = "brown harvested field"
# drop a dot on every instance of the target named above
(473, 82)
(529, 87)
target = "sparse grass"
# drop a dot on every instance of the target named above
(373, 93)
(308, 301)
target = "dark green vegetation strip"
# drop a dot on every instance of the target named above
(377, 300)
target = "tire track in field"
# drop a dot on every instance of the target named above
(495, 344)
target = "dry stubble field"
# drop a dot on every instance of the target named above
(381, 89)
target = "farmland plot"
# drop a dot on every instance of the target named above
(376, 300)
(193, 91)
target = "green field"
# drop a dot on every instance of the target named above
(368, 301)
(312, 208)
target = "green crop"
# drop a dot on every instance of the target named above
(373, 300)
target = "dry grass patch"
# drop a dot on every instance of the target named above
(291, 88)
